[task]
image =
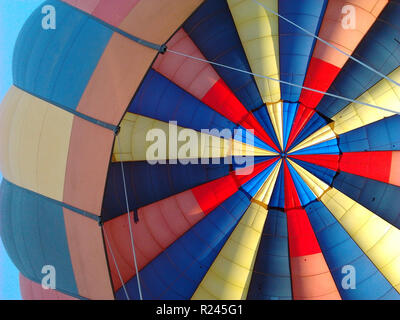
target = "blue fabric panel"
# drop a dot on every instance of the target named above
(271, 273)
(262, 117)
(340, 250)
(278, 195)
(58, 64)
(322, 173)
(247, 137)
(383, 135)
(33, 233)
(381, 198)
(242, 162)
(327, 147)
(303, 191)
(296, 47)
(289, 113)
(161, 99)
(378, 49)
(212, 29)
(177, 272)
(391, 295)
(314, 124)
(147, 183)
(251, 187)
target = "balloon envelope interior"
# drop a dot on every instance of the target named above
(216, 149)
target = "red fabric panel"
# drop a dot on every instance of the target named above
(221, 99)
(210, 195)
(250, 122)
(303, 115)
(320, 76)
(292, 199)
(33, 291)
(330, 161)
(302, 240)
(372, 165)
(258, 168)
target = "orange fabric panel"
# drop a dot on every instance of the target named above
(84, 5)
(89, 262)
(193, 76)
(118, 75)
(395, 169)
(160, 224)
(112, 12)
(33, 291)
(366, 12)
(155, 21)
(311, 279)
(87, 165)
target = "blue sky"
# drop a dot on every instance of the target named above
(13, 14)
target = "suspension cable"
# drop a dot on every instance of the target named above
(130, 223)
(282, 81)
(327, 43)
(115, 263)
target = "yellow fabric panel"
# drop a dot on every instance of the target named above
(230, 274)
(275, 112)
(134, 145)
(242, 149)
(384, 94)
(202, 294)
(264, 194)
(6, 116)
(317, 186)
(259, 34)
(29, 158)
(376, 237)
(324, 134)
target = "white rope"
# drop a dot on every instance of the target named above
(115, 263)
(327, 43)
(130, 224)
(284, 82)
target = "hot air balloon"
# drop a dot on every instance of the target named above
(312, 84)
